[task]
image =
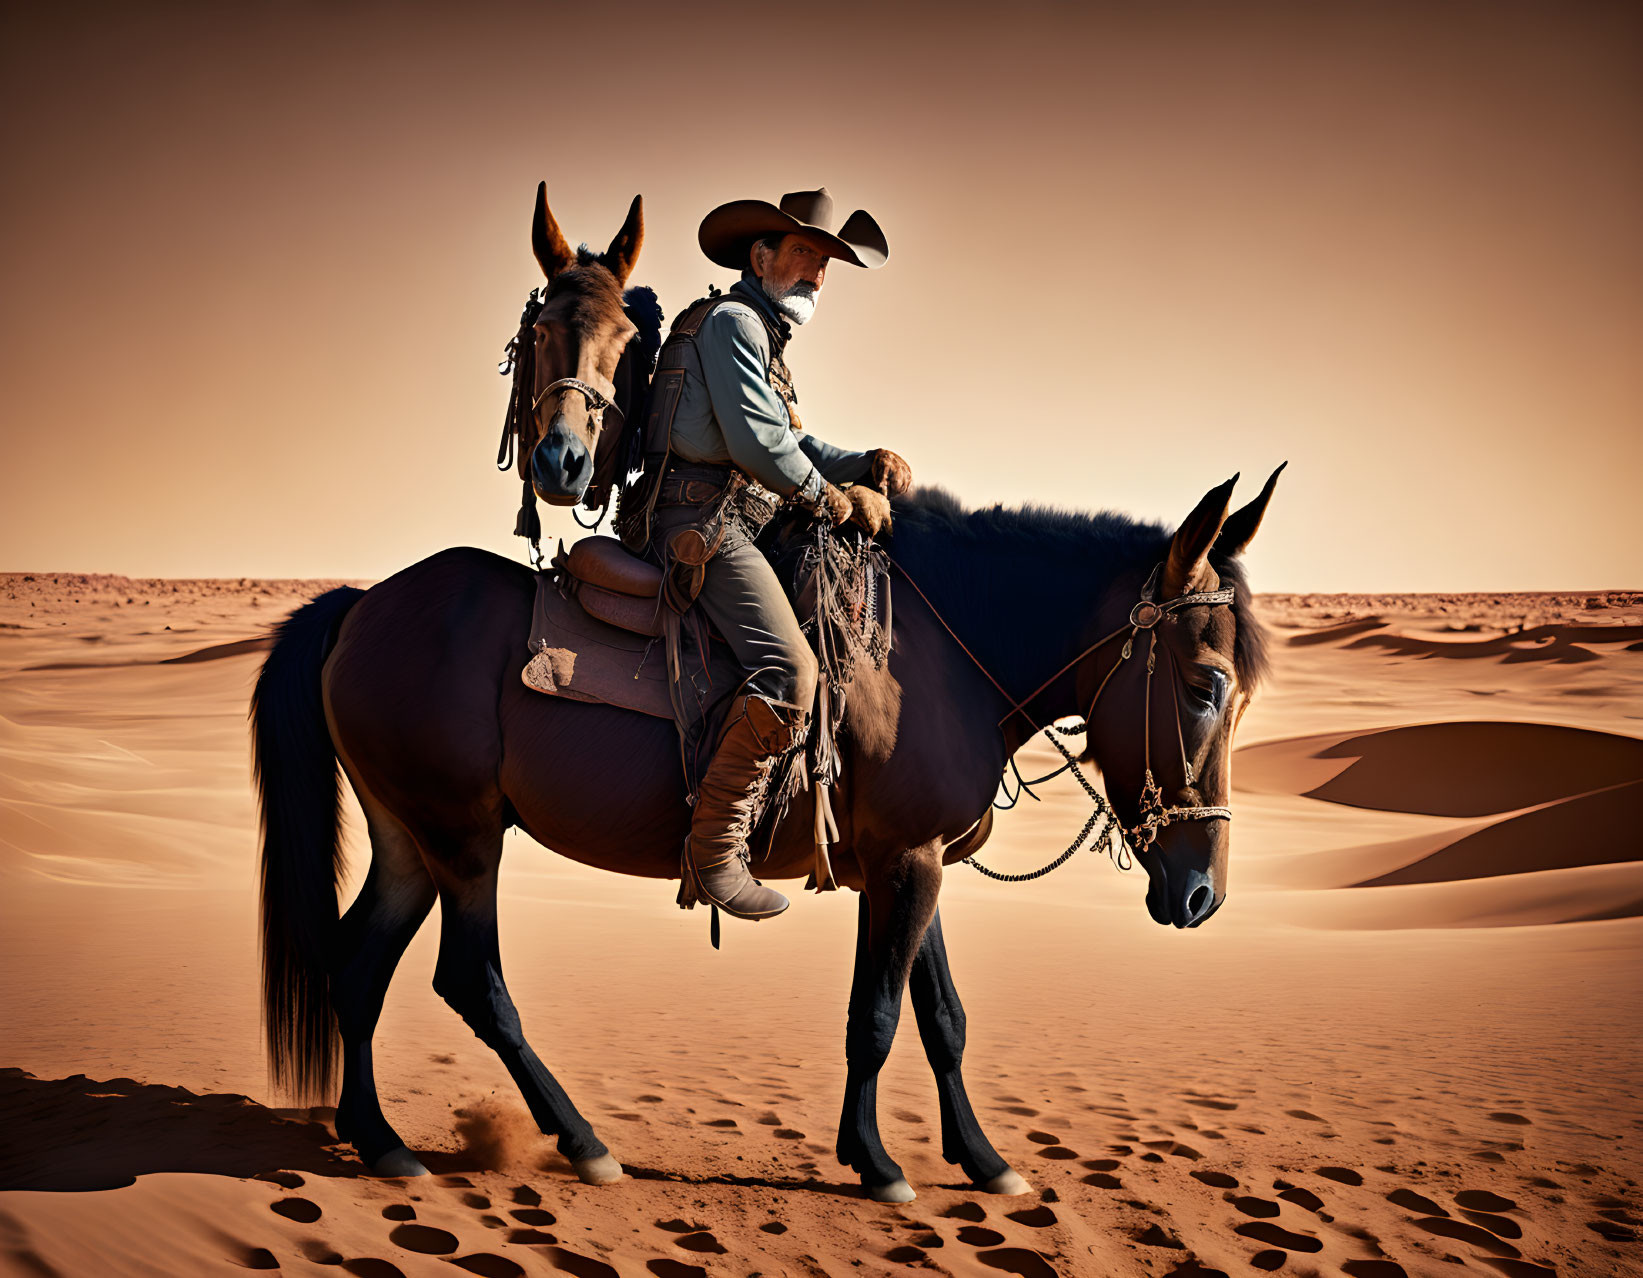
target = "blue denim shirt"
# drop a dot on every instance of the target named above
(733, 414)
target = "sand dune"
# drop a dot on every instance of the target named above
(1363, 1066)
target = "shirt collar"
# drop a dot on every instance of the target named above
(748, 287)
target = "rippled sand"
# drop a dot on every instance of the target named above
(1408, 1043)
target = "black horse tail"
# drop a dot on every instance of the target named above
(299, 789)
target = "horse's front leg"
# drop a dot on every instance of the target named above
(896, 906)
(941, 1025)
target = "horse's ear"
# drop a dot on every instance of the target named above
(1242, 525)
(553, 255)
(624, 249)
(1189, 551)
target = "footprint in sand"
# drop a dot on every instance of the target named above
(787, 1133)
(1269, 1260)
(493, 1222)
(298, 1209)
(1260, 1208)
(525, 1196)
(907, 1254)
(1500, 1226)
(569, 1262)
(663, 1267)
(1103, 1180)
(773, 1227)
(1409, 1200)
(1463, 1232)
(700, 1241)
(1032, 1217)
(1174, 1148)
(1341, 1175)
(319, 1253)
(647, 1099)
(531, 1237)
(1483, 1200)
(1506, 1116)
(477, 1201)
(284, 1179)
(1218, 1179)
(979, 1236)
(1305, 1115)
(1374, 1269)
(720, 1122)
(1017, 1260)
(245, 1258)
(425, 1239)
(966, 1211)
(533, 1216)
(1302, 1198)
(1521, 1269)
(1277, 1236)
(372, 1267)
(488, 1265)
(399, 1211)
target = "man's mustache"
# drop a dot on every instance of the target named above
(802, 288)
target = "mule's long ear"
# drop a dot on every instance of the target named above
(1242, 525)
(624, 249)
(1189, 552)
(553, 255)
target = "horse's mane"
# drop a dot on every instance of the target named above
(1028, 553)
(644, 311)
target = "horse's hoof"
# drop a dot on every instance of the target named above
(1008, 1182)
(597, 1171)
(895, 1191)
(398, 1162)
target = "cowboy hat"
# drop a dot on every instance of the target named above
(729, 231)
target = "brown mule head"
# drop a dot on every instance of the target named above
(581, 334)
(1203, 677)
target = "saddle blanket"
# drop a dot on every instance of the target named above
(578, 656)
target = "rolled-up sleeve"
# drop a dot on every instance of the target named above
(758, 433)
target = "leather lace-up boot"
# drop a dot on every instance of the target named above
(757, 733)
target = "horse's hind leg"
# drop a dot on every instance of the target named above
(371, 937)
(892, 917)
(469, 978)
(941, 1026)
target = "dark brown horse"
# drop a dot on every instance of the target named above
(413, 689)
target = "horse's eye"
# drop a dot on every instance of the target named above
(1211, 691)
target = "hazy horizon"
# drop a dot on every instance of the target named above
(263, 261)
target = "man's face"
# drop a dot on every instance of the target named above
(792, 275)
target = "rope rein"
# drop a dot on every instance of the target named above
(1146, 616)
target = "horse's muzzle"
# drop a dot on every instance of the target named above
(561, 466)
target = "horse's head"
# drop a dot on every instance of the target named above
(1161, 727)
(580, 336)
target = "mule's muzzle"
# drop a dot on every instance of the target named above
(1182, 898)
(561, 466)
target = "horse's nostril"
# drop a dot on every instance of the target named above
(573, 464)
(1199, 901)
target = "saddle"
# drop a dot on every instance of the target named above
(600, 632)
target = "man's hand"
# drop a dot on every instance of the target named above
(869, 508)
(835, 505)
(891, 475)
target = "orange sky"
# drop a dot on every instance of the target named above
(260, 262)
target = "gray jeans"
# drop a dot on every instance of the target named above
(746, 604)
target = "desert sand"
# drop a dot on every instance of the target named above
(1407, 1044)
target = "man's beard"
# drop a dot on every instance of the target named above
(797, 302)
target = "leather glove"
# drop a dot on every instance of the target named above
(869, 508)
(835, 506)
(891, 475)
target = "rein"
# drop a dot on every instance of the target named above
(1146, 616)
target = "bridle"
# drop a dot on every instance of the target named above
(1145, 616)
(521, 418)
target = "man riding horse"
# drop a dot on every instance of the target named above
(735, 446)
